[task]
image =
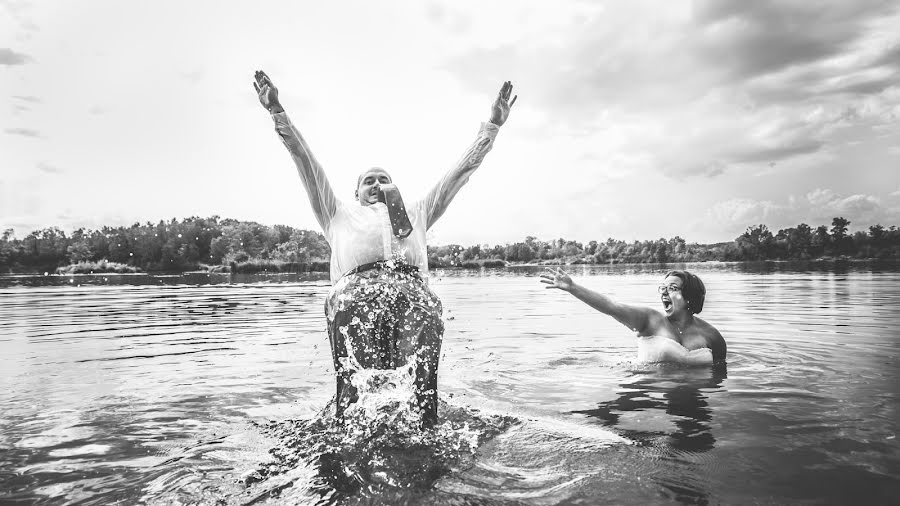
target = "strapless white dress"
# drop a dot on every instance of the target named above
(663, 349)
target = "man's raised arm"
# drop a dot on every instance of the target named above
(321, 196)
(442, 194)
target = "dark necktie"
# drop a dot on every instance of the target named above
(390, 195)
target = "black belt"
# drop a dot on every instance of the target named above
(391, 265)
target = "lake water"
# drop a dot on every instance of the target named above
(207, 389)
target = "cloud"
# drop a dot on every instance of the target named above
(25, 132)
(817, 207)
(742, 212)
(48, 168)
(861, 72)
(708, 88)
(9, 57)
(17, 10)
(756, 38)
(766, 154)
(827, 204)
(23, 103)
(820, 196)
(623, 54)
(194, 75)
(453, 21)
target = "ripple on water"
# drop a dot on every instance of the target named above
(144, 394)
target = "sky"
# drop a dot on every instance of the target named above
(634, 120)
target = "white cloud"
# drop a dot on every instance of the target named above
(9, 57)
(820, 197)
(24, 132)
(633, 119)
(49, 168)
(740, 210)
(709, 88)
(817, 207)
(864, 208)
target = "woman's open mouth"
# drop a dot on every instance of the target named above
(667, 304)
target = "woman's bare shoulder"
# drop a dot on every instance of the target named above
(713, 337)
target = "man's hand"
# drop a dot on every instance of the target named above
(267, 93)
(500, 109)
(557, 279)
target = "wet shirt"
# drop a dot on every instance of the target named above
(361, 234)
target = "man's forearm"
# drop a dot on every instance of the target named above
(318, 188)
(275, 108)
(443, 193)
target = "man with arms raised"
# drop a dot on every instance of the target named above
(381, 313)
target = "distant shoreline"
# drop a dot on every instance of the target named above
(225, 270)
(217, 244)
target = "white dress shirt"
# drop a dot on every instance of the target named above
(361, 234)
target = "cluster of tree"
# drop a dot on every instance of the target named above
(757, 243)
(247, 246)
(805, 242)
(167, 246)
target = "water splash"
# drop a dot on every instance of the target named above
(385, 396)
(377, 449)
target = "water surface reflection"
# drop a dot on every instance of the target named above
(680, 396)
(153, 390)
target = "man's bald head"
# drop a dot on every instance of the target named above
(367, 185)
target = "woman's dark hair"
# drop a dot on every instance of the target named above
(692, 289)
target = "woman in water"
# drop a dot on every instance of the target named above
(678, 335)
(381, 313)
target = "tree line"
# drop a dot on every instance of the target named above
(240, 246)
(174, 246)
(757, 243)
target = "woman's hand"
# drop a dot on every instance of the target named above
(557, 279)
(267, 92)
(500, 109)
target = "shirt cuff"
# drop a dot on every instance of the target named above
(281, 119)
(489, 129)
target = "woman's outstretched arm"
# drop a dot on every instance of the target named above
(321, 196)
(442, 194)
(638, 319)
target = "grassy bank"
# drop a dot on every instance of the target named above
(468, 264)
(99, 267)
(263, 266)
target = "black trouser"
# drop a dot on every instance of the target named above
(390, 319)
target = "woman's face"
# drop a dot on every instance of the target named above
(369, 183)
(670, 294)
